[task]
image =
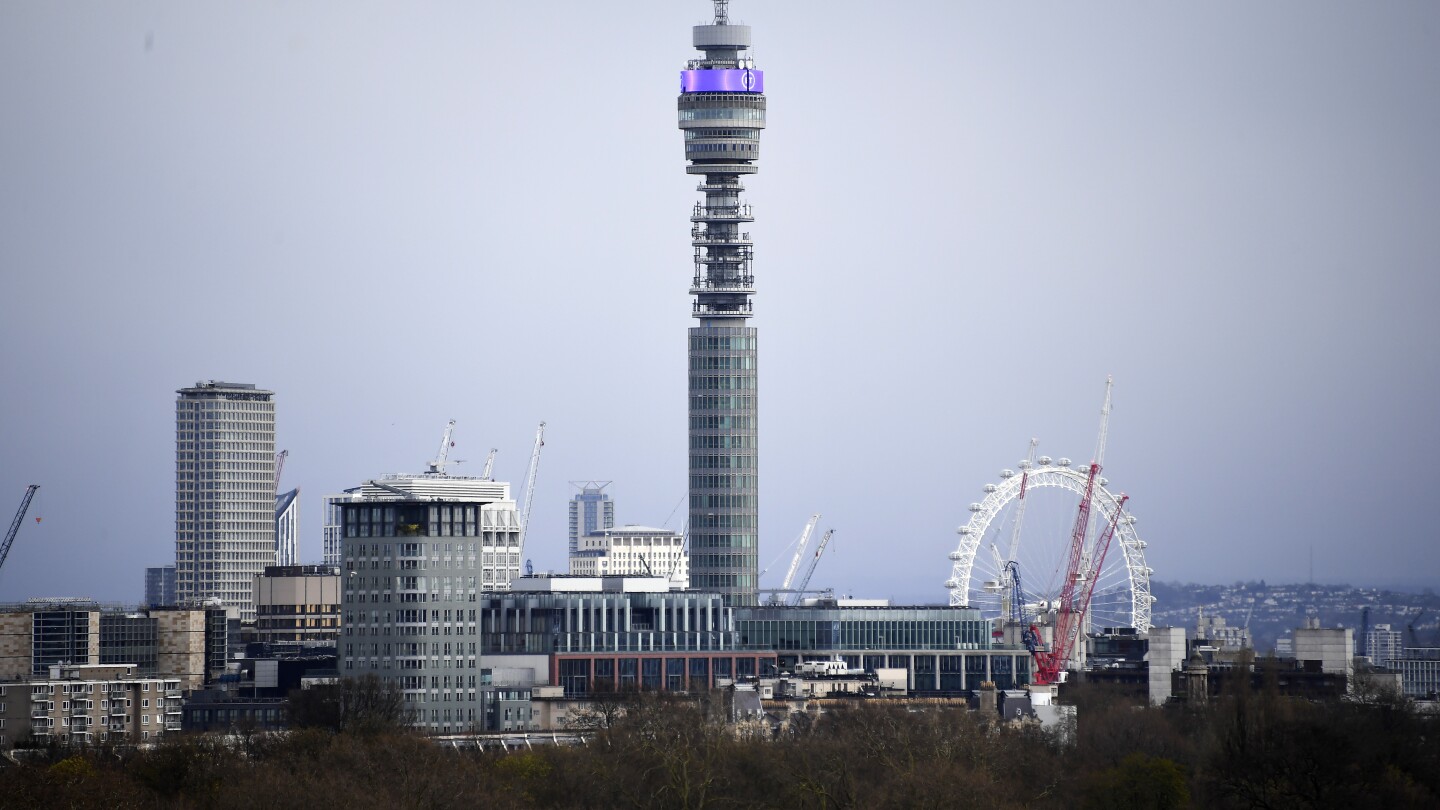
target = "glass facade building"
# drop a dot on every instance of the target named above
(943, 649)
(160, 586)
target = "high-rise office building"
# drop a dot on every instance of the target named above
(224, 492)
(722, 110)
(591, 511)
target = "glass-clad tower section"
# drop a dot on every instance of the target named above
(722, 110)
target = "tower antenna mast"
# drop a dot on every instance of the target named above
(722, 12)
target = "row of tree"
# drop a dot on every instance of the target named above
(1247, 749)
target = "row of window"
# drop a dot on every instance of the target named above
(227, 404)
(722, 521)
(723, 481)
(701, 540)
(725, 114)
(722, 581)
(696, 134)
(722, 560)
(724, 362)
(709, 402)
(722, 462)
(723, 442)
(722, 502)
(708, 148)
(707, 382)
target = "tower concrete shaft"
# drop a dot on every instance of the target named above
(722, 110)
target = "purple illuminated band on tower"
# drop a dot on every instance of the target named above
(722, 81)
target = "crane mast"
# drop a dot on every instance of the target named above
(530, 484)
(1009, 571)
(810, 571)
(1075, 595)
(15, 524)
(799, 552)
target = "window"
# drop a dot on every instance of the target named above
(144, 719)
(145, 704)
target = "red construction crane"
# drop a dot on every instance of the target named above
(15, 524)
(1079, 578)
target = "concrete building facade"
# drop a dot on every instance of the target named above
(297, 603)
(632, 551)
(224, 492)
(1165, 657)
(1383, 644)
(1331, 649)
(156, 642)
(84, 704)
(418, 553)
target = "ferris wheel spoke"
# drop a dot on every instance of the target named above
(1040, 548)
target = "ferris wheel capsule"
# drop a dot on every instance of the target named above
(1063, 462)
(951, 584)
(975, 507)
(1045, 461)
(963, 530)
(990, 487)
(1007, 473)
(956, 555)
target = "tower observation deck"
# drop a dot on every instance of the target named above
(722, 110)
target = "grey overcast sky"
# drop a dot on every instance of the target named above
(968, 214)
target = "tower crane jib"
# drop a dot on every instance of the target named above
(438, 465)
(15, 524)
(799, 551)
(810, 572)
(530, 484)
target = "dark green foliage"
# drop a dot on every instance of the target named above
(1244, 750)
(366, 705)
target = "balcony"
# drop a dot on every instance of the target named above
(739, 284)
(721, 186)
(702, 238)
(739, 256)
(721, 213)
